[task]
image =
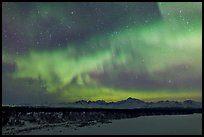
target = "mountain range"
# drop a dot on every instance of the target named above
(132, 103)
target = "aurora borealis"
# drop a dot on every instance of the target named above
(64, 52)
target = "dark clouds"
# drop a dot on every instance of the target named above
(173, 78)
(27, 91)
(8, 67)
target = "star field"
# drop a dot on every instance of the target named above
(64, 52)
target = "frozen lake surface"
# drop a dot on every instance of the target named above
(144, 125)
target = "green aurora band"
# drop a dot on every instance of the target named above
(150, 49)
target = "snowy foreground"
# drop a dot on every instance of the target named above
(164, 124)
(35, 120)
(165, 117)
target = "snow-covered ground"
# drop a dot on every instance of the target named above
(144, 125)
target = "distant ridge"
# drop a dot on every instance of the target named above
(129, 103)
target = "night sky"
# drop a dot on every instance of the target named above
(64, 52)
